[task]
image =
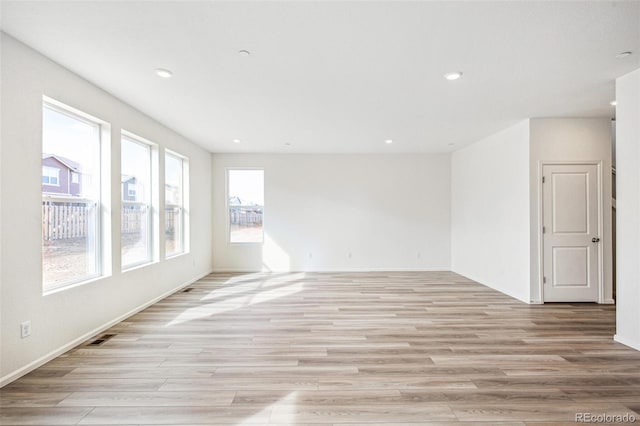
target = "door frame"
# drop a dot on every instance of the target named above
(598, 164)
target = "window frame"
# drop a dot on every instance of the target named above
(102, 130)
(227, 207)
(150, 202)
(183, 207)
(57, 176)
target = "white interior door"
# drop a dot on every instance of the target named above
(570, 233)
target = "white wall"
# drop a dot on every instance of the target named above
(571, 140)
(628, 209)
(61, 318)
(490, 211)
(391, 212)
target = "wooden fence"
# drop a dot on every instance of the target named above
(245, 215)
(64, 219)
(171, 218)
(132, 217)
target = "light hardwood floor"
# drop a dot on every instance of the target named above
(338, 348)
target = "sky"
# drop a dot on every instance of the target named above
(136, 161)
(79, 141)
(248, 185)
(76, 140)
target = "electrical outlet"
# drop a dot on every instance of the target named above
(349, 255)
(25, 329)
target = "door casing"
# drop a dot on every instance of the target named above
(600, 248)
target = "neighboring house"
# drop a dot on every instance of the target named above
(242, 212)
(235, 201)
(60, 176)
(129, 188)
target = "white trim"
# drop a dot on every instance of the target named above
(53, 289)
(57, 352)
(139, 266)
(72, 112)
(540, 235)
(598, 164)
(226, 206)
(153, 231)
(253, 271)
(102, 200)
(174, 255)
(627, 342)
(185, 228)
(133, 137)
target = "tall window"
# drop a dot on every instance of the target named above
(246, 205)
(136, 214)
(70, 206)
(175, 169)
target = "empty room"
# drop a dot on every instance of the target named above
(319, 212)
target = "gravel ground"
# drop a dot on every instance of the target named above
(65, 259)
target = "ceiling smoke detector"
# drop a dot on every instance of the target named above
(453, 75)
(164, 73)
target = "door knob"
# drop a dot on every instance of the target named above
(595, 239)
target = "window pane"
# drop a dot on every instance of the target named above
(173, 230)
(70, 207)
(173, 180)
(174, 205)
(246, 205)
(136, 203)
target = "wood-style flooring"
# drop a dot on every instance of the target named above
(393, 348)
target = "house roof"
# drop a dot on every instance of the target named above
(64, 160)
(126, 178)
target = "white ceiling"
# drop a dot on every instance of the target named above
(341, 76)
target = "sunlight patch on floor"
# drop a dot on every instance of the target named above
(288, 418)
(227, 305)
(231, 286)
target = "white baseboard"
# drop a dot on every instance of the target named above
(57, 352)
(627, 342)
(242, 270)
(609, 302)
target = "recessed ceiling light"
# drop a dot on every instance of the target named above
(613, 103)
(236, 141)
(623, 54)
(453, 75)
(244, 52)
(388, 141)
(161, 72)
